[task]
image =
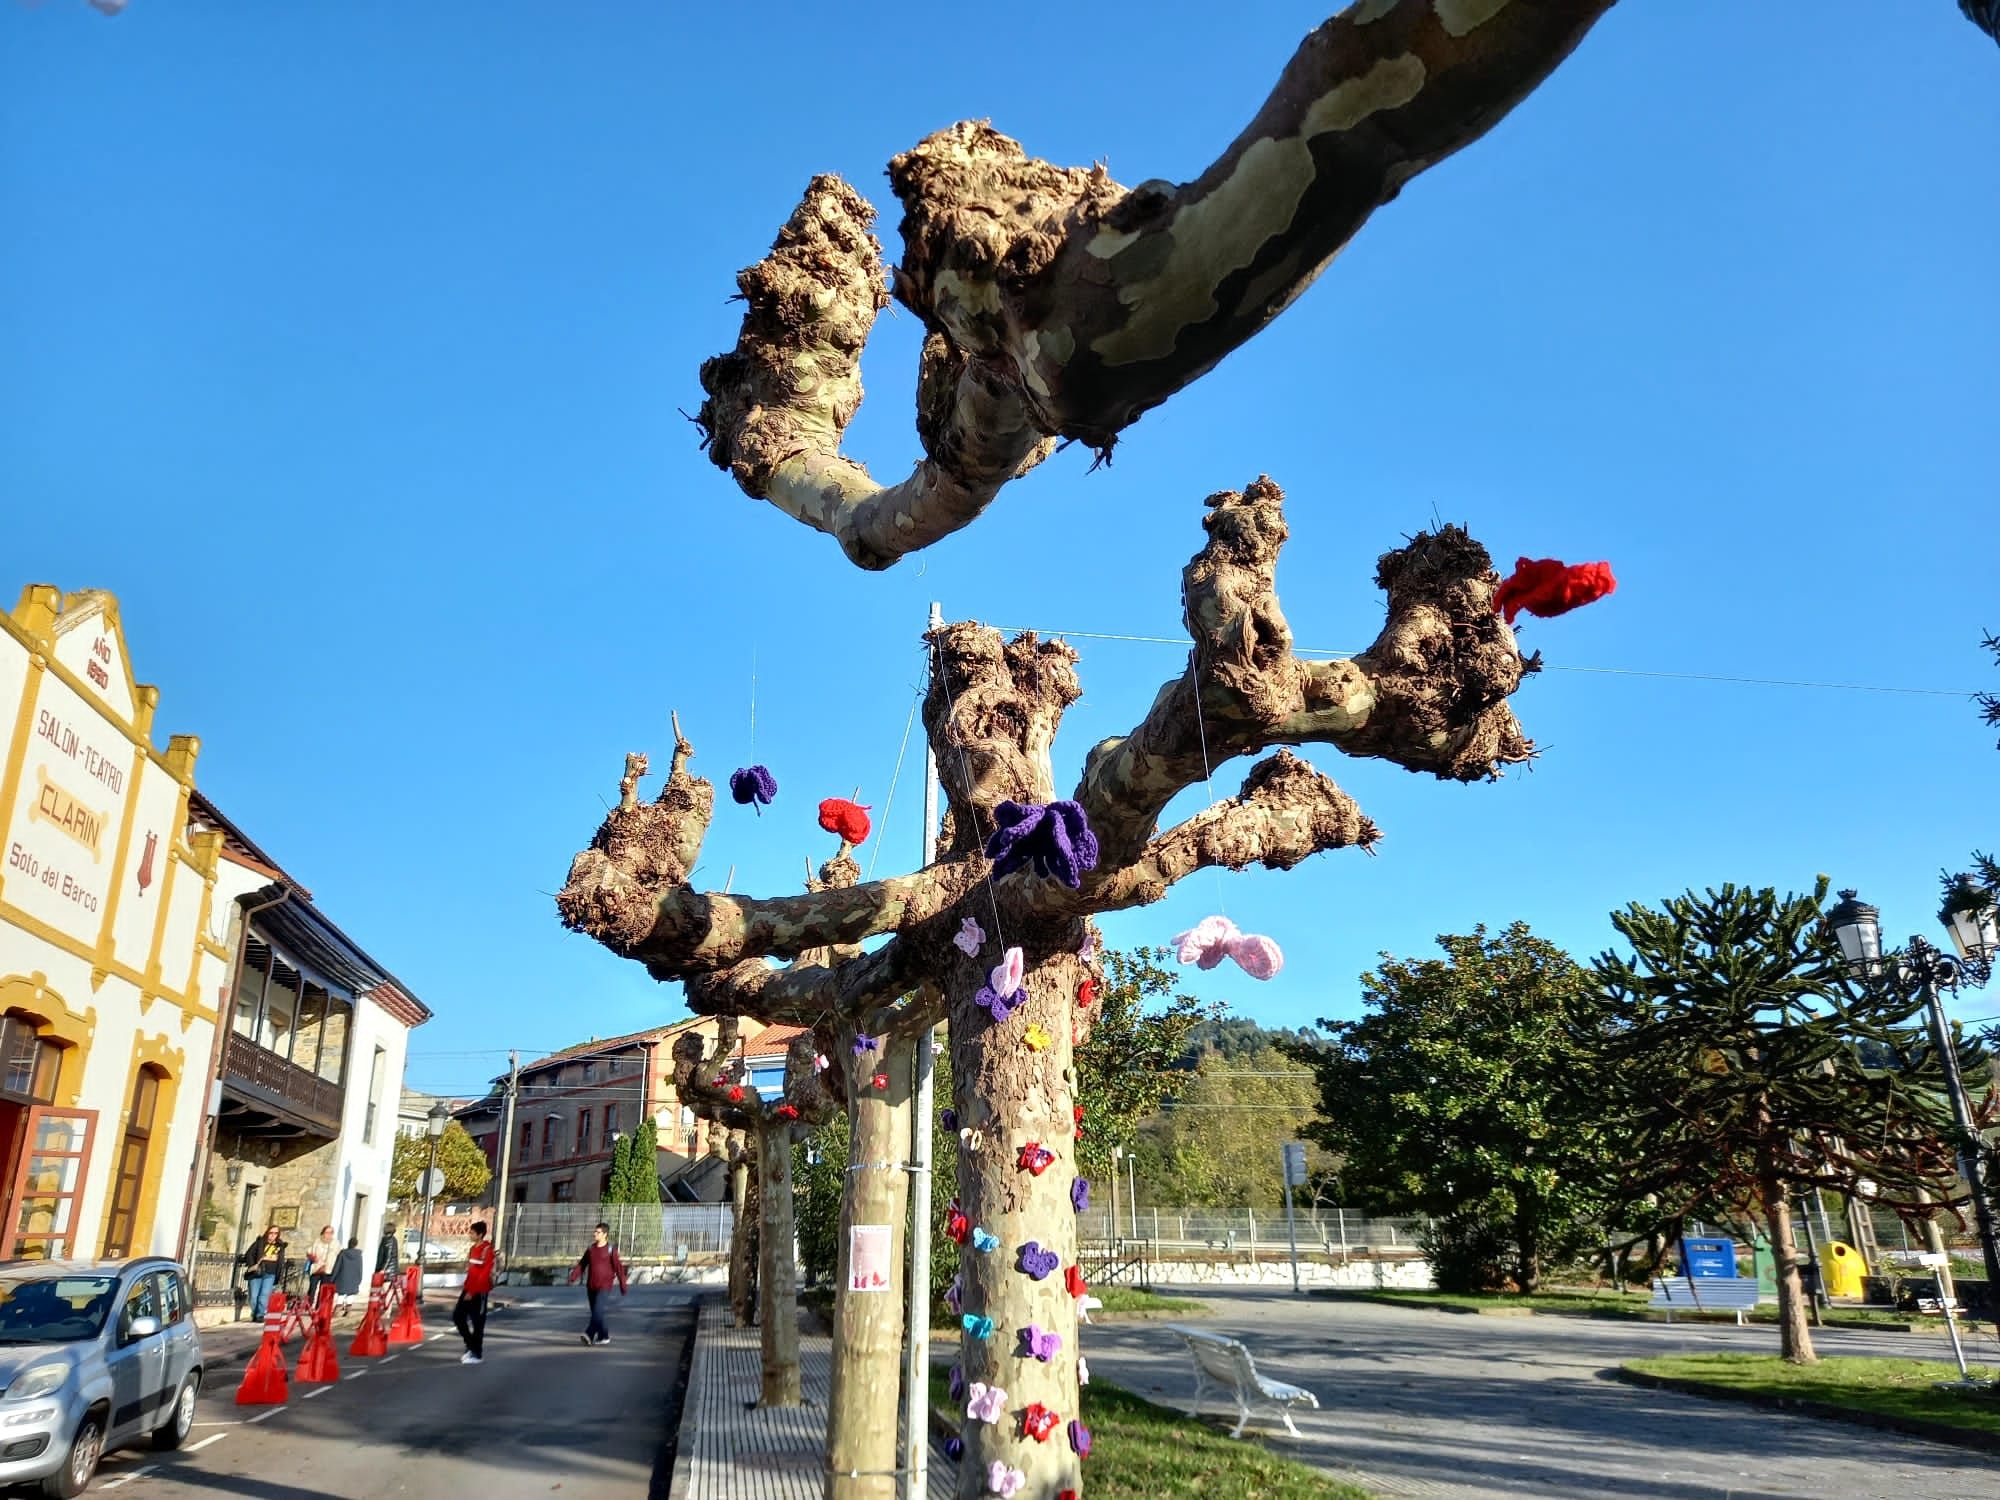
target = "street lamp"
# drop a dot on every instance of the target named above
(434, 1124)
(1968, 915)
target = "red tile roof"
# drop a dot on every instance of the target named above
(772, 1040)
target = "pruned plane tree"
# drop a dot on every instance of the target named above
(1430, 694)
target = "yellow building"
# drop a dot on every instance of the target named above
(111, 952)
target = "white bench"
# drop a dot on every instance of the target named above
(1737, 1294)
(1226, 1362)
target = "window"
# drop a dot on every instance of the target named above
(142, 1302)
(563, 1192)
(590, 1072)
(610, 1125)
(527, 1138)
(131, 1167)
(582, 1132)
(548, 1137)
(604, 1185)
(520, 1192)
(30, 1062)
(173, 1298)
(375, 1071)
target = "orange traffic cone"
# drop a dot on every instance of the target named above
(370, 1338)
(264, 1378)
(409, 1325)
(317, 1364)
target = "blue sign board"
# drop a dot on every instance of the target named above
(1708, 1257)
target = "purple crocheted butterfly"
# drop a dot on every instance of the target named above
(954, 1446)
(863, 1045)
(1079, 1439)
(1079, 1195)
(1056, 836)
(1037, 1262)
(754, 785)
(957, 1384)
(1004, 991)
(1036, 1344)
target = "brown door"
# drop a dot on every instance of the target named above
(48, 1184)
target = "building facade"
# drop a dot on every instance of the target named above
(574, 1104)
(309, 1071)
(112, 950)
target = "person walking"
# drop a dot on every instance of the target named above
(320, 1255)
(263, 1269)
(347, 1275)
(600, 1269)
(388, 1254)
(469, 1316)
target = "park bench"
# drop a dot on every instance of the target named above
(1226, 1362)
(1737, 1294)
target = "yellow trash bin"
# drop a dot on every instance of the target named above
(1844, 1270)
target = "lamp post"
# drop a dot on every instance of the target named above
(434, 1124)
(1968, 916)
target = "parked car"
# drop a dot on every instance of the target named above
(434, 1250)
(94, 1355)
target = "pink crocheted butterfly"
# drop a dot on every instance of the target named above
(1213, 939)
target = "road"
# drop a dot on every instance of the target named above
(543, 1413)
(1443, 1405)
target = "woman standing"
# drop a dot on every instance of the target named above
(263, 1269)
(319, 1264)
(600, 1269)
(347, 1274)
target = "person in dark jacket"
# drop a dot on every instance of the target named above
(388, 1254)
(599, 1269)
(263, 1269)
(347, 1273)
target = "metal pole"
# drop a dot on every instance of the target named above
(1291, 1229)
(917, 1333)
(424, 1233)
(1968, 1146)
(1812, 1259)
(1132, 1191)
(506, 1149)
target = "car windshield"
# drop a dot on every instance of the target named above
(54, 1309)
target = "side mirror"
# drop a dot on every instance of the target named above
(141, 1328)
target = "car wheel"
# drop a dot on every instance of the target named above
(85, 1449)
(171, 1433)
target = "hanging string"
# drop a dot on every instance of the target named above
(753, 703)
(889, 805)
(965, 770)
(1207, 771)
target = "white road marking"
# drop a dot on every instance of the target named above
(390, 1358)
(266, 1416)
(112, 1484)
(318, 1390)
(214, 1437)
(218, 1424)
(354, 1374)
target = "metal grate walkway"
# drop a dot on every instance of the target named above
(738, 1451)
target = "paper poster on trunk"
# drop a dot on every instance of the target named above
(869, 1249)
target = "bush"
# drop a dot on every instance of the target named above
(1468, 1252)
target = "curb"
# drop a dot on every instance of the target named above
(1634, 1314)
(682, 1478)
(1936, 1432)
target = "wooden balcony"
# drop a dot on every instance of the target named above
(264, 1092)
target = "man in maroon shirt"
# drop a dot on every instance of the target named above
(469, 1317)
(600, 1269)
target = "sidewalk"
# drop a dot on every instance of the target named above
(731, 1449)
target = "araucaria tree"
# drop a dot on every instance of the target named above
(1469, 1095)
(1732, 1049)
(999, 942)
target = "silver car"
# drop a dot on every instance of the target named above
(94, 1355)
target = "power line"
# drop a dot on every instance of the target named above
(1843, 687)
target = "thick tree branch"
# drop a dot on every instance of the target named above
(1058, 303)
(1430, 694)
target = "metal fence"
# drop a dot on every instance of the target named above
(669, 1231)
(1326, 1231)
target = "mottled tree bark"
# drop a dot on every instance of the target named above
(868, 1325)
(743, 1238)
(1794, 1331)
(1058, 303)
(777, 1267)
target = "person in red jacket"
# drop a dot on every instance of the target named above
(469, 1316)
(600, 1269)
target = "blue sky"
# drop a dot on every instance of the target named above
(345, 344)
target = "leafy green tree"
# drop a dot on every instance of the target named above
(1217, 1142)
(635, 1171)
(465, 1168)
(1733, 1050)
(1468, 1096)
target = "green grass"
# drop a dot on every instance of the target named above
(1890, 1387)
(1140, 1451)
(1129, 1299)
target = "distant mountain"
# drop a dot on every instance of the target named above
(1234, 1037)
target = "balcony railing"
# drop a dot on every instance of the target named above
(266, 1081)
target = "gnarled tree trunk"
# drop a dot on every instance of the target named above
(1794, 1331)
(777, 1267)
